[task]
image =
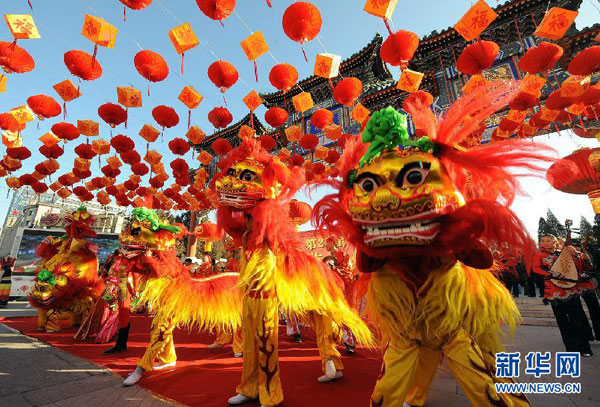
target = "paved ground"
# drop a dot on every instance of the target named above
(35, 374)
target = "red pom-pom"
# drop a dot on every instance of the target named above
(523, 101)
(85, 151)
(151, 65)
(51, 152)
(65, 131)
(18, 153)
(399, 48)
(131, 157)
(276, 116)
(223, 74)
(165, 116)
(221, 146)
(347, 91)
(44, 106)
(283, 76)
(556, 101)
(122, 144)
(297, 159)
(309, 141)
(586, 62)
(140, 169)
(82, 65)
(179, 146)
(477, 56)
(216, 9)
(267, 142)
(14, 59)
(220, 117)
(540, 58)
(112, 114)
(321, 118)
(332, 157)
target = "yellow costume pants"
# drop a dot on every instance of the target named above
(260, 374)
(223, 338)
(326, 340)
(161, 347)
(465, 360)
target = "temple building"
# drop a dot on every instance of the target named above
(436, 58)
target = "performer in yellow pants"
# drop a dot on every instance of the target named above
(260, 375)
(224, 337)
(326, 341)
(161, 349)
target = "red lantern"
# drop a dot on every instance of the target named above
(122, 144)
(267, 142)
(321, 118)
(156, 182)
(347, 91)
(140, 169)
(54, 151)
(283, 76)
(112, 114)
(14, 59)
(18, 153)
(591, 96)
(556, 101)
(8, 122)
(85, 151)
(39, 187)
(82, 174)
(586, 62)
(399, 48)
(540, 58)
(276, 116)
(221, 146)
(220, 117)
(82, 65)
(332, 157)
(216, 9)
(165, 116)
(309, 141)
(10, 164)
(110, 171)
(477, 56)
(223, 74)
(151, 66)
(179, 146)
(27, 179)
(302, 22)
(523, 101)
(65, 131)
(131, 157)
(300, 212)
(180, 167)
(44, 106)
(134, 5)
(418, 98)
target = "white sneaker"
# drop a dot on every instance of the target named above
(215, 345)
(238, 354)
(166, 365)
(239, 399)
(133, 377)
(325, 378)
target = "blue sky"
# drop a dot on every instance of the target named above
(346, 29)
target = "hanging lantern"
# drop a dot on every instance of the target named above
(151, 66)
(293, 133)
(131, 157)
(67, 91)
(114, 161)
(523, 101)
(267, 142)
(49, 139)
(540, 58)
(347, 91)
(10, 123)
(99, 32)
(586, 62)
(221, 146)
(303, 102)
(574, 86)
(22, 26)
(220, 117)
(152, 157)
(122, 144)
(129, 96)
(398, 49)
(252, 100)
(44, 106)
(309, 141)
(327, 65)
(134, 5)
(223, 74)
(205, 157)
(302, 23)
(555, 24)
(360, 113)
(18, 153)
(88, 128)
(532, 84)
(82, 65)
(179, 146)
(183, 39)
(191, 98)
(321, 118)
(149, 133)
(165, 116)
(477, 56)
(140, 169)
(195, 135)
(276, 116)
(51, 152)
(475, 20)
(22, 114)
(216, 9)
(283, 76)
(85, 151)
(254, 46)
(65, 131)
(14, 59)
(409, 81)
(112, 114)
(475, 82)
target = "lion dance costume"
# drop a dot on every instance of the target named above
(67, 283)
(430, 289)
(253, 193)
(165, 285)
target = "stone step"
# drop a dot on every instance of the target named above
(539, 321)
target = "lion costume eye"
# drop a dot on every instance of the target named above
(413, 175)
(247, 176)
(367, 182)
(231, 172)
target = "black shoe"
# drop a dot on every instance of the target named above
(349, 348)
(297, 338)
(587, 354)
(121, 343)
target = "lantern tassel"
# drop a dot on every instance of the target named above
(387, 25)
(255, 71)
(225, 100)
(189, 117)
(222, 25)
(94, 55)
(30, 6)
(182, 62)
(126, 111)
(124, 13)
(330, 83)
(148, 89)
(304, 53)
(65, 110)
(269, 3)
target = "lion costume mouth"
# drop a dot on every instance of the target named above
(243, 200)
(385, 233)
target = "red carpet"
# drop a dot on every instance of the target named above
(208, 377)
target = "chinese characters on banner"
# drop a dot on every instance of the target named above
(315, 245)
